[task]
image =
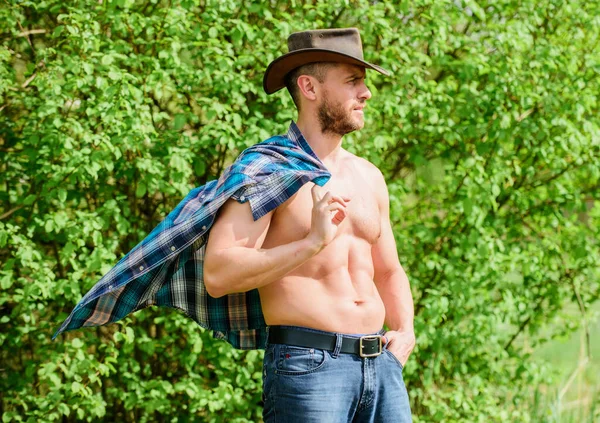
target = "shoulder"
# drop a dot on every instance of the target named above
(371, 174)
(366, 168)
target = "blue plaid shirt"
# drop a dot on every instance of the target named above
(166, 268)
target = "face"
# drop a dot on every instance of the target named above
(343, 98)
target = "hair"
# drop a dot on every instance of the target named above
(317, 70)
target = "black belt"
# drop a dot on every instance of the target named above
(365, 346)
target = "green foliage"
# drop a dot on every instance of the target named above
(110, 111)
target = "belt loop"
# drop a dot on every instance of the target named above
(338, 346)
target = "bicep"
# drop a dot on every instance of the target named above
(235, 227)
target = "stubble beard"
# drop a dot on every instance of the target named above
(335, 120)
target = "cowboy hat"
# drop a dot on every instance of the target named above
(341, 45)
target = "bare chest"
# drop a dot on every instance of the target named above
(292, 220)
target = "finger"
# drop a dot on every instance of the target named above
(338, 217)
(404, 359)
(326, 198)
(315, 193)
(338, 199)
(403, 351)
(340, 214)
(335, 207)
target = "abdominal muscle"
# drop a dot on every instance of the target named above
(333, 291)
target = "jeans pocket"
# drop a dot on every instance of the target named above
(393, 357)
(299, 360)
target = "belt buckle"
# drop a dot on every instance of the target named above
(367, 339)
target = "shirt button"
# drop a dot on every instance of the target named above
(110, 287)
(141, 267)
(243, 198)
(172, 248)
(204, 228)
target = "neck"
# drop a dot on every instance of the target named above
(327, 146)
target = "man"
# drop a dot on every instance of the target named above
(325, 261)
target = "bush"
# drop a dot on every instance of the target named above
(111, 111)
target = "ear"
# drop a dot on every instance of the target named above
(307, 87)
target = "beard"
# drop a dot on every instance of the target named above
(334, 119)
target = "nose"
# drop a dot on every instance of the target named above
(365, 92)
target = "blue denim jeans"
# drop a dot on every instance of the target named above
(312, 385)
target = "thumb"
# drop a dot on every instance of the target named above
(315, 193)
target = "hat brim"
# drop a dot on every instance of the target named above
(273, 80)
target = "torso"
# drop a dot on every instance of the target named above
(334, 290)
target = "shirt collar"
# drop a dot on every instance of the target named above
(296, 136)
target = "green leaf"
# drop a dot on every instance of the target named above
(6, 280)
(198, 346)
(140, 190)
(199, 167)
(180, 120)
(107, 60)
(57, 31)
(76, 387)
(476, 9)
(49, 226)
(61, 219)
(64, 409)
(29, 200)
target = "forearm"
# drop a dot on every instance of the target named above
(398, 301)
(240, 269)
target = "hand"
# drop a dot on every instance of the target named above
(328, 212)
(400, 344)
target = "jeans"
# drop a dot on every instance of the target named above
(313, 385)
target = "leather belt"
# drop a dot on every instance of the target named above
(364, 346)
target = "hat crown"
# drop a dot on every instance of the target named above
(343, 40)
(340, 45)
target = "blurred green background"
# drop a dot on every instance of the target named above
(488, 133)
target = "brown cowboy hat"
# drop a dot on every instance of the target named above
(341, 45)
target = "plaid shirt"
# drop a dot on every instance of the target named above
(166, 268)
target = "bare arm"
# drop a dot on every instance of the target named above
(392, 283)
(234, 259)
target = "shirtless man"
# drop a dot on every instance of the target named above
(325, 264)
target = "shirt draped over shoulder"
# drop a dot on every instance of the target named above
(166, 268)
